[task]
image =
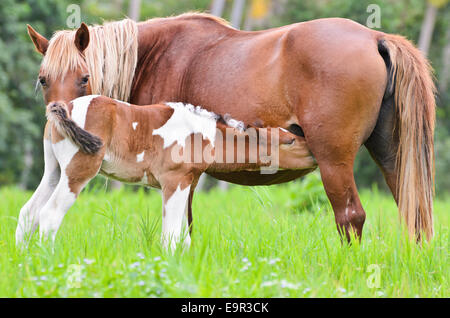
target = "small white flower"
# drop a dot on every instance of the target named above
(88, 261)
(286, 284)
(140, 255)
(246, 266)
(135, 264)
(269, 283)
(274, 261)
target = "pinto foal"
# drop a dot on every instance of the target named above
(167, 146)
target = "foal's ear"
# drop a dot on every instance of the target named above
(40, 42)
(82, 37)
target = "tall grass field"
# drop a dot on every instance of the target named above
(278, 241)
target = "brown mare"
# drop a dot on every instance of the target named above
(333, 81)
(164, 146)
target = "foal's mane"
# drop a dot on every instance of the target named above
(110, 57)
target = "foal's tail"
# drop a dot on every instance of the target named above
(411, 80)
(58, 115)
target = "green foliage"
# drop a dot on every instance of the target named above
(21, 108)
(306, 194)
(242, 247)
(21, 112)
(403, 17)
(111, 10)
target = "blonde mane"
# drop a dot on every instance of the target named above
(110, 57)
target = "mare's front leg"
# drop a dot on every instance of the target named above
(177, 195)
(29, 214)
(77, 168)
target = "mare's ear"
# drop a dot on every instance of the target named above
(82, 37)
(40, 42)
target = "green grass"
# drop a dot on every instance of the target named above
(247, 242)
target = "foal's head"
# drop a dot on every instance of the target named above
(64, 74)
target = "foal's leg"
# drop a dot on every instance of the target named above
(187, 219)
(176, 211)
(52, 214)
(175, 206)
(29, 218)
(76, 172)
(188, 215)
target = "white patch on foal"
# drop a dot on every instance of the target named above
(80, 109)
(140, 156)
(64, 151)
(186, 120)
(52, 213)
(135, 125)
(175, 211)
(236, 124)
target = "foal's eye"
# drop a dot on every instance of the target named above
(42, 81)
(85, 79)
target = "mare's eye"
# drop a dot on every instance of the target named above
(85, 79)
(42, 81)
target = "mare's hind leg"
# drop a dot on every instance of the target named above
(29, 214)
(76, 172)
(339, 184)
(334, 138)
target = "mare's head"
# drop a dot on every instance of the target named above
(64, 73)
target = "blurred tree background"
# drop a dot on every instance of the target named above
(21, 106)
